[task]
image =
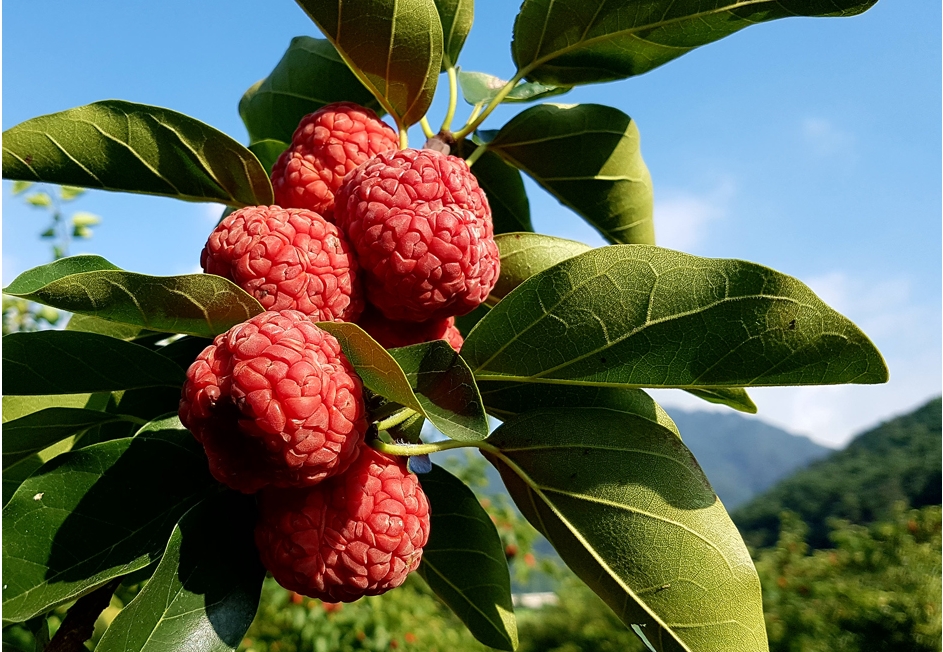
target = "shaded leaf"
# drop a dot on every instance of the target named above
(445, 387)
(393, 46)
(480, 87)
(526, 254)
(456, 17)
(34, 432)
(588, 157)
(464, 562)
(504, 187)
(268, 151)
(117, 330)
(14, 476)
(629, 510)
(205, 591)
(733, 397)
(586, 41)
(465, 323)
(309, 75)
(66, 362)
(127, 147)
(96, 513)
(184, 350)
(197, 304)
(648, 317)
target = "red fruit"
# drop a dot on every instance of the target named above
(288, 259)
(274, 402)
(357, 534)
(391, 334)
(327, 145)
(421, 227)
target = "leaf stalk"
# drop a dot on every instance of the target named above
(453, 99)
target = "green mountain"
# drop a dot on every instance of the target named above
(742, 457)
(898, 461)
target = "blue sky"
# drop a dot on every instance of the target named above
(809, 145)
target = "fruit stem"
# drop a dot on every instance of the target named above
(495, 101)
(476, 155)
(420, 449)
(403, 138)
(395, 419)
(453, 99)
(426, 128)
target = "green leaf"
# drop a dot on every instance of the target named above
(526, 254)
(89, 324)
(32, 433)
(465, 323)
(205, 591)
(68, 193)
(15, 407)
(641, 316)
(40, 199)
(446, 389)
(94, 514)
(268, 151)
(127, 147)
(733, 397)
(184, 350)
(504, 187)
(85, 219)
(309, 75)
(629, 510)
(433, 382)
(588, 157)
(587, 41)
(464, 562)
(393, 46)
(66, 362)
(456, 17)
(506, 400)
(20, 186)
(196, 304)
(478, 87)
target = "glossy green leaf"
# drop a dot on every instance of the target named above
(586, 41)
(465, 323)
(34, 432)
(629, 510)
(506, 400)
(464, 562)
(478, 87)
(37, 277)
(309, 75)
(66, 362)
(15, 407)
(205, 591)
(588, 157)
(117, 330)
(504, 187)
(393, 46)
(445, 387)
(127, 147)
(197, 304)
(184, 350)
(648, 317)
(96, 513)
(526, 254)
(733, 397)
(456, 17)
(268, 151)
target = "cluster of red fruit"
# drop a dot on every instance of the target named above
(397, 241)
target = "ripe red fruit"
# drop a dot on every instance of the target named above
(421, 227)
(288, 259)
(391, 334)
(327, 145)
(357, 534)
(274, 402)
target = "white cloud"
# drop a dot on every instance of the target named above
(825, 139)
(682, 218)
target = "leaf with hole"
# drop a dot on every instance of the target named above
(587, 41)
(127, 147)
(464, 562)
(205, 591)
(310, 74)
(629, 510)
(588, 157)
(639, 316)
(393, 46)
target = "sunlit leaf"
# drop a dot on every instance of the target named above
(480, 87)
(526, 254)
(733, 397)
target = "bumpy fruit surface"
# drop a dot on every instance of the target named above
(327, 145)
(391, 334)
(421, 227)
(274, 402)
(288, 259)
(357, 534)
